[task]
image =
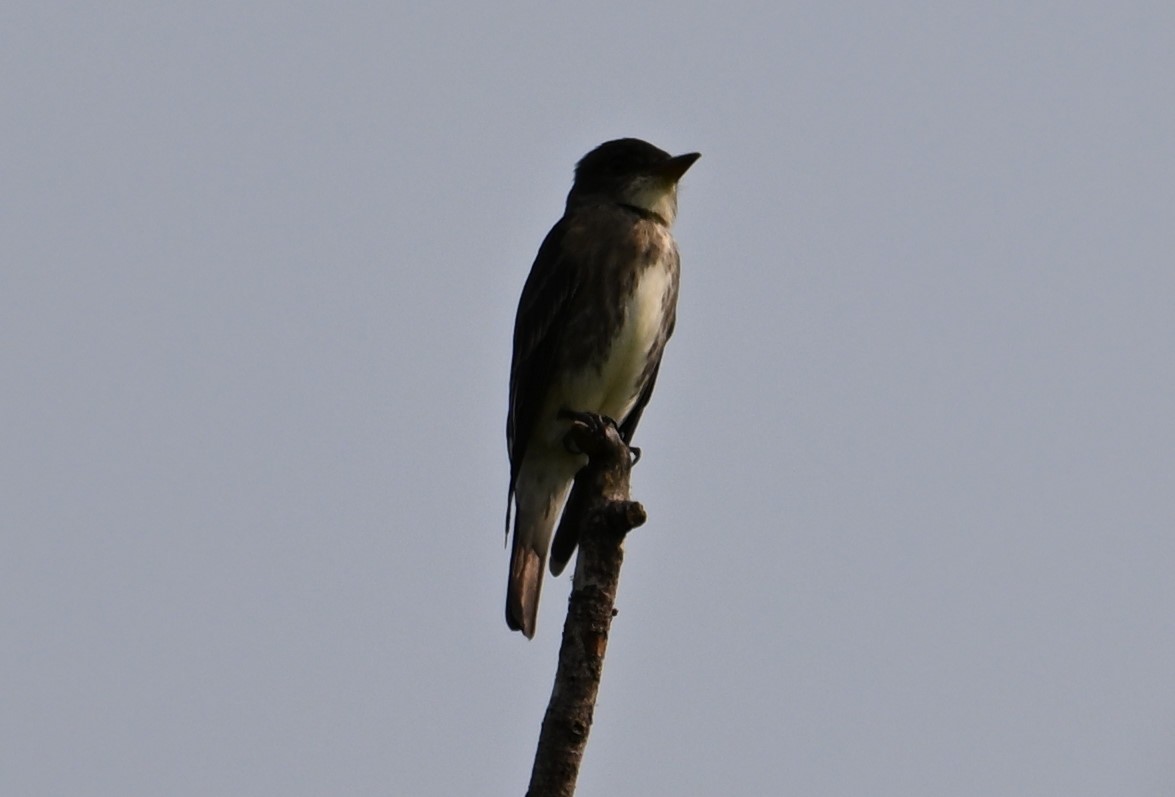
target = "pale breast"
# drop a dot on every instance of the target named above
(608, 380)
(613, 387)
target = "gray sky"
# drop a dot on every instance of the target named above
(910, 467)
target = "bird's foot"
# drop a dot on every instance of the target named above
(594, 423)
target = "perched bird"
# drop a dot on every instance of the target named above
(595, 313)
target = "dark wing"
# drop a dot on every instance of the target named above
(628, 428)
(553, 282)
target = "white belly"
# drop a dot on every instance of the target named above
(613, 389)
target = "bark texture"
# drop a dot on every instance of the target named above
(600, 505)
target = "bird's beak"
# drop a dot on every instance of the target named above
(675, 167)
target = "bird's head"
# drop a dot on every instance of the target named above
(633, 172)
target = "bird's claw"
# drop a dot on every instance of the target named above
(593, 421)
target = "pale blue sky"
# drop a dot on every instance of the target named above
(910, 467)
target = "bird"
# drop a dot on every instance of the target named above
(596, 311)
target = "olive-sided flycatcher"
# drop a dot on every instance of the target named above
(595, 313)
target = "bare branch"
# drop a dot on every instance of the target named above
(600, 505)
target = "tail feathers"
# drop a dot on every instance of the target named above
(542, 486)
(526, 582)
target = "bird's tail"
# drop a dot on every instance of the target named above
(526, 582)
(533, 524)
